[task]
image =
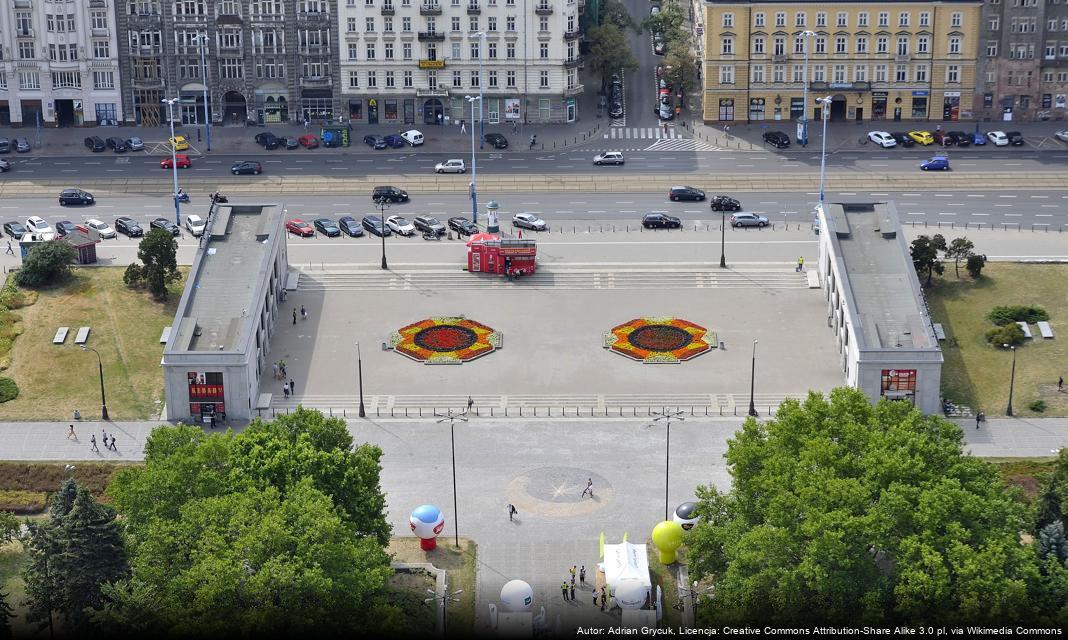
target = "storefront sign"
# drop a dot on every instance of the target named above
(921, 93)
(431, 64)
(948, 94)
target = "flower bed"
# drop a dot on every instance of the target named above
(445, 340)
(660, 340)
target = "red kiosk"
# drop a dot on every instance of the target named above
(487, 253)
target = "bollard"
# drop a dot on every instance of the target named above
(330, 410)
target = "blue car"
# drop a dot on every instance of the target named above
(937, 163)
(394, 141)
(978, 138)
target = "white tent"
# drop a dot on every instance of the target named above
(626, 570)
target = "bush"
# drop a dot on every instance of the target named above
(1009, 334)
(8, 389)
(14, 298)
(1004, 315)
(975, 265)
(1038, 406)
(134, 275)
(23, 501)
(46, 263)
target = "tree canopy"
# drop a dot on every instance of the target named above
(609, 51)
(925, 258)
(47, 262)
(846, 512)
(158, 250)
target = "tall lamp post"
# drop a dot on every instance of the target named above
(474, 167)
(667, 417)
(381, 204)
(359, 375)
(202, 38)
(1012, 379)
(174, 160)
(481, 82)
(103, 398)
(722, 239)
(752, 384)
(444, 599)
(452, 418)
(804, 113)
(825, 114)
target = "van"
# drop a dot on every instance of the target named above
(413, 137)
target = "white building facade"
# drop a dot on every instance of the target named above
(413, 61)
(60, 63)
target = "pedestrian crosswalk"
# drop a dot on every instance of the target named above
(641, 133)
(682, 144)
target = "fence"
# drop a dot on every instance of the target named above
(999, 226)
(695, 411)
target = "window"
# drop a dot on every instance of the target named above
(860, 73)
(903, 19)
(925, 19)
(778, 73)
(66, 80)
(821, 19)
(862, 44)
(231, 68)
(509, 23)
(1047, 76)
(509, 79)
(862, 19)
(758, 45)
(350, 25)
(921, 73)
(780, 45)
(543, 24)
(387, 51)
(390, 81)
(1063, 50)
(543, 50)
(842, 19)
(491, 23)
(726, 74)
(103, 80)
(819, 73)
(472, 24)
(70, 25)
(99, 19)
(992, 49)
(491, 78)
(1051, 24)
(370, 51)
(882, 44)
(509, 50)
(952, 73)
(799, 73)
(406, 50)
(758, 19)
(956, 19)
(994, 24)
(456, 51)
(101, 49)
(369, 25)
(840, 44)
(387, 24)
(543, 79)
(839, 73)
(372, 79)
(884, 19)
(728, 46)
(475, 50)
(491, 50)
(880, 73)
(406, 24)
(29, 80)
(780, 20)
(799, 45)
(457, 79)
(902, 45)
(901, 73)
(23, 23)
(821, 44)
(954, 44)
(757, 73)
(922, 44)
(728, 20)
(799, 20)
(26, 52)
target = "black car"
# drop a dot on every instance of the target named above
(63, 227)
(267, 139)
(428, 224)
(128, 227)
(375, 225)
(349, 225)
(497, 140)
(660, 221)
(166, 225)
(291, 142)
(75, 196)
(246, 167)
(374, 141)
(685, 193)
(389, 194)
(5, 145)
(616, 109)
(95, 143)
(960, 138)
(463, 226)
(1015, 138)
(725, 203)
(902, 139)
(117, 144)
(327, 227)
(14, 229)
(777, 139)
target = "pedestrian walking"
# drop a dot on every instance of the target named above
(294, 315)
(470, 402)
(588, 489)
(596, 594)
(727, 129)
(604, 597)
(520, 234)
(563, 590)
(512, 511)
(282, 367)
(303, 312)
(104, 435)
(274, 368)
(70, 434)
(292, 387)
(533, 140)
(306, 123)
(582, 575)
(463, 126)
(979, 417)
(211, 421)
(285, 389)
(10, 251)
(1060, 383)
(573, 570)
(112, 445)
(439, 119)
(515, 129)
(572, 588)
(92, 444)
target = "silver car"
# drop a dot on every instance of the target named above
(528, 221)
(135, 144)
(1062, 135)
(748, 220)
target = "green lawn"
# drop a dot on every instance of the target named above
(13, 558)
(459, 564)
(665, 576)
(977, 374)
(126, 325)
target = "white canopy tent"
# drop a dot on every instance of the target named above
(626, 570)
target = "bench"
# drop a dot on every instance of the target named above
(1026, 330)
(940, 333)
(813, 279)
(1045, 329)
(165, 336)
(83, 335)
(61, 335)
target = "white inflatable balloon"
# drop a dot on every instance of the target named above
(517, 595)
(630, 594)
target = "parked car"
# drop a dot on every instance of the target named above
(179, 143)
(289, 142)
(246, 167)
(529, 221)
(998, 138)
(882, 138)
(14, 229)
(267, 139)
(327, 227)
(777, 139)
(412, 137)
(451, 166)
(375, 225)
(389, 194)
(309, 141)
(400, 225)
(903, 139)
(180, 159)
(95, 144)
(978, 138)
(616, 109)
(195, 224)
(394, 141)
(101, 227)
(350, 226)
(960, 138)
(685, 193)
(298, 227)
(937, 163)
(922, 137)
(748, 220)
(660, 221)
(22, 145)
(1062, 135)
(428, 224)
(496, 140)
(135, 144)
(75, 196)
(725, 203)
(166, 225)
(5, 145)
(5, 166)
(116, 144)
(463, 226)
(374, 141)
(128, 227)
(659, 46)
(1015, 138)
(608, 157)
(36, 225)
(942, 138)
(63, 227)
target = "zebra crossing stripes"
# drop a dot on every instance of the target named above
(681, 144)
(641, 133)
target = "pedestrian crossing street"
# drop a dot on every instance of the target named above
(641, 133)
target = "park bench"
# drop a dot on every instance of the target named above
(940, 333)
(1045, 329)
(61, 335)
(1026, 330)
(83, 335)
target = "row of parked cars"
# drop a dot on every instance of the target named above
(37, 226)
(116, 144)
(21, 145)
(375, 225)
(887, 139)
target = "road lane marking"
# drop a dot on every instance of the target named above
(1050, 206)
(1006, 196)
(975, 195)
(1039, 196)
(980, 214)
(1043, 215)
(1014, 215)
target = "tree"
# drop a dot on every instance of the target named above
(668, 22)
(609, 51)
(6, 614)
(925, 256)
(1053, 501)
(133, 276)
(842, 511)
(975, 264)
(959, 249)
(680, 65)
(1052, 543)
(46, 263)
(158, 251)
(614, 13)
(9, 526)
(41, 577)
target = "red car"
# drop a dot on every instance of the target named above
(183, 162)
(298, 227)
(309, 141)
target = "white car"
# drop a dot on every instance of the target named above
(608, 157)
(400, 225)
(998, 138)
(195, 224)
(37, 226)
(883, 139)
(1062, 135)
(451, 166)
(529, 221)
(102, 228)
(412, 137)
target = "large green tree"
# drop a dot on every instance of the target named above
(609, 51)
(959, 249)
(668, 22)
(47, 262)
(924, 251)
(615, 13)
(842, 511)
(158, 251)
(1053, 500)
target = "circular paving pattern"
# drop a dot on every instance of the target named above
(445, 340)
(558, 492)
(660, 340)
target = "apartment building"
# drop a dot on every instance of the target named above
(878, 59)
(263, 60)
(59, 63)
(414, 61)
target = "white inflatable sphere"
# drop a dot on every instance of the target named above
(517, 595)
(630, 595)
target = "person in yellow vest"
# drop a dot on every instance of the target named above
(800, 264)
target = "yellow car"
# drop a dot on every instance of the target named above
(181, 144)
(922, 137)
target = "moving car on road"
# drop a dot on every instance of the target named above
(463, 226)
(529, 221)
(179, 143)
(1015, 138)
(128, 227)
(685, 193)
(36, 225)
(1062, 135)
(374, 141)
(166, 225)
(400, 225)
(101, 227)
(14, 229)
(777, 139)
(748, 220)
(660, 221)
(375, 225)
(95, 144)
(5, 166)
(180, 159)
(903, 139)
(882, 138)
(937, 163)
(922, 137)
(327, 227)
(350, 226)
(428, 224)
(75, 196)
(725, 203)
(451, 166)
(246, 167)
(608, 157)
(298, 227)
(389, 194)
(496, 140)
(195, 225)
(412, 137)
(998, 138)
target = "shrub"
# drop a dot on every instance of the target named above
(12, 297)
(134, 275)
(1004, 315)
(1038, 406)
(8, 389)
(1009, 334)
(975, 265)
(46, 263)
(23, 501)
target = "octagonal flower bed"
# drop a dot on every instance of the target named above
(660, 340)
(445, 340)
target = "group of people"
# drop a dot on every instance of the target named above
(279, 370)
(108, 444)
(567, 588)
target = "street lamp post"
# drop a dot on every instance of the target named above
(203, 40)
(804, 112)
(174, 160)
(1012, 379)
(474, 166)
(103, 398)
(452, 418)
(445, 598)
(382, 205)
(752, 384)
(359, 375)
(481, 82)
(825, 114)
(667, 417)
(722, 239)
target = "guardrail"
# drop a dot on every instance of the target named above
(643, 411)
(1035, 227)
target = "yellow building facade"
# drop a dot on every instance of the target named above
(877, 60)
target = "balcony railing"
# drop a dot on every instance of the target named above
(779, 58)
(389, 10)
(431, 36)
(99, 32)
(544, 9)
(571, 35)
(473, 9)
(573, 62)
(902, 57)
(430, 9)
(24, 33)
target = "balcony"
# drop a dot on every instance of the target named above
(544, 9)
(573, 62)
(147, 50)
(571, 35)
(314, 81)
(432, 92)
(27, 64)
(23, 4)
(431, 36)
(473, 9)
(779, 58)
(24, 33)
(312, 15)
(389, 10)
(100, 32)
(430, 9)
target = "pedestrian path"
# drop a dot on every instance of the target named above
(641, 133)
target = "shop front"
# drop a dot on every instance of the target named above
(207, 395)
(726, 109)
(919, 105)
(191, 99)
(878, 105)
(951, 105)
(317, 105)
